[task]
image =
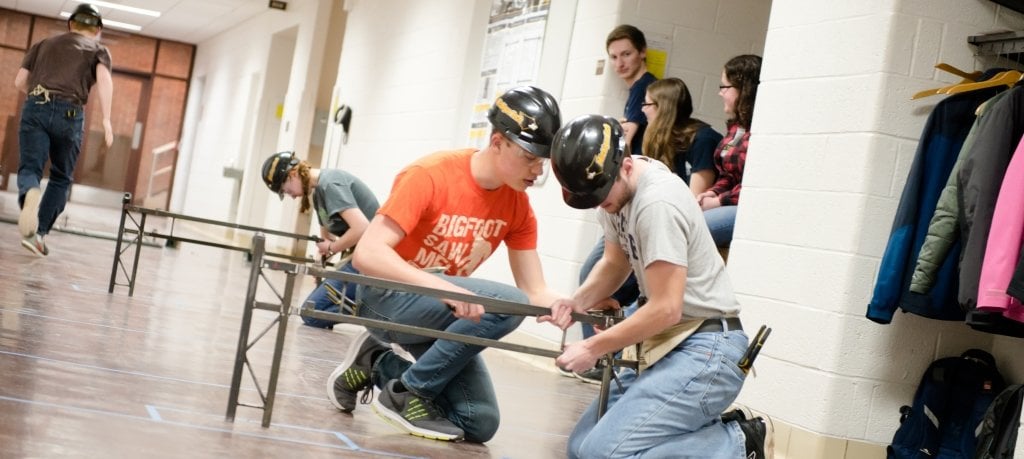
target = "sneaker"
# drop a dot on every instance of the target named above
(591, 376)
(35, 245)
(353, 375)
(28, 220)
(757, 432)
(415, 415)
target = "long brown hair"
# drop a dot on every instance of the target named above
(673, 129)
(307, 185)
(744, 74)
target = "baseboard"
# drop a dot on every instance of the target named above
(527, 339)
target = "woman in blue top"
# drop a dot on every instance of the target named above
(685, 144)
(344, 206)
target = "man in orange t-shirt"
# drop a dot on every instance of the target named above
(448, 212)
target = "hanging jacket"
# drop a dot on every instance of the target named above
(940, 144)
(979, 181)
(1004, 243)
(944, 229)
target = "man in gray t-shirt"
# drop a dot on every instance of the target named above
(687, 325)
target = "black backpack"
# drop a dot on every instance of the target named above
(948, 408)
(999, 428)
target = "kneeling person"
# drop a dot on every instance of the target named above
(344, 206)
(687, 319)
(450, 211)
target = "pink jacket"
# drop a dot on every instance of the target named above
(1004, 243)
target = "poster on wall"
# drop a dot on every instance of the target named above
(659, 45)
(511, 56)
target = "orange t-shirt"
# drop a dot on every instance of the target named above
(450, 221)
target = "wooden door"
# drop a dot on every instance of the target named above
(111, 168)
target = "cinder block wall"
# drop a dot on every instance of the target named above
(701, 35)
(834, 134)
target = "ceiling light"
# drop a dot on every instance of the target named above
(116, 6)
(108, 22)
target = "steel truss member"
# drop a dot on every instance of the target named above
(128, 214)
(283, 308)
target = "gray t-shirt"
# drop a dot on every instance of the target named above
(337, 191)
(663, 222)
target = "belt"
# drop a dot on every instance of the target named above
(719, 324)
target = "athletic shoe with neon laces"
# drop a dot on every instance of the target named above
(414, 415)
(353, 375)
(35, 245)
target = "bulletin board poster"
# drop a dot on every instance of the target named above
(659, 46)
(511, 56)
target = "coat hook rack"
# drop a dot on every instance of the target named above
(1006, 44)
(1016, 5)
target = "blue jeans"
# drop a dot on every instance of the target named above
(673, 408)
(49, 131)
(721, 221)
(322, 301)
(450, 373)
(625, 295)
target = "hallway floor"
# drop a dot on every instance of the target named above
(87, 373)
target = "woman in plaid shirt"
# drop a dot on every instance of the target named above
(738, 89)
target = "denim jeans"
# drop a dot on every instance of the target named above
(322, 301)
(49, 131)
(672, 409)
(450, 373)
(721, 221)
(625, 295)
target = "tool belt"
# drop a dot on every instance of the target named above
(654, 348)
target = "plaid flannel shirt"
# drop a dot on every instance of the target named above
(730, 156)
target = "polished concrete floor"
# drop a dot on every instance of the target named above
(87, 373)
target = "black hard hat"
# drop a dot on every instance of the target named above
(528, 116)
(585, 157)
(87, 14)
(276, 168)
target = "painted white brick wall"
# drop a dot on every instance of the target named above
(834, 134)
(705, 34)
(228, 62)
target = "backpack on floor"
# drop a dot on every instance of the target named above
(999, 428)
(948, 407)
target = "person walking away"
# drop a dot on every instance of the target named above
(57, 75)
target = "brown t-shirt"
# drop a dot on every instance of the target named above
(65, 65)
